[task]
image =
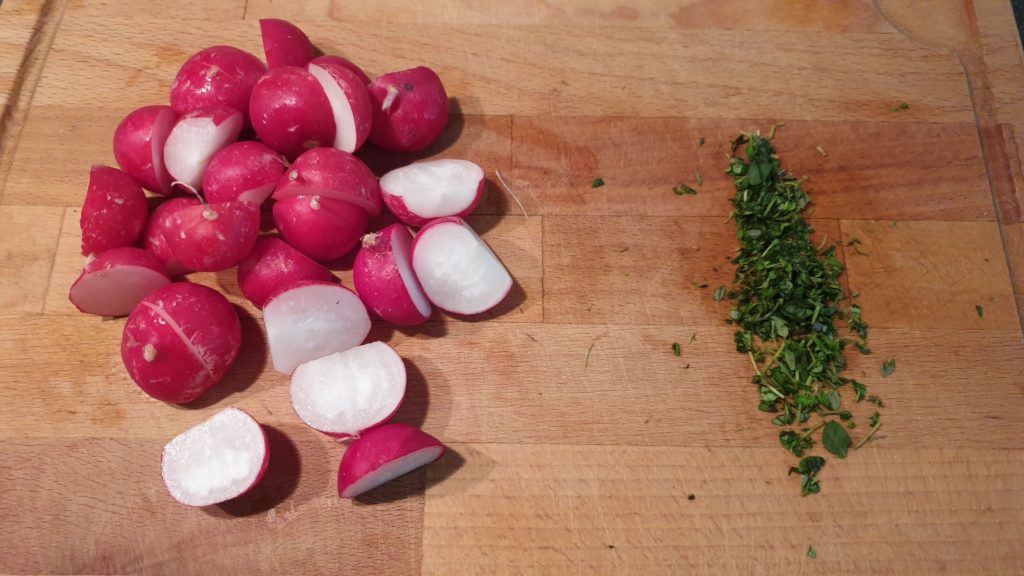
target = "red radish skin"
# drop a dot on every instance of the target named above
(382, 454)
(410, 109)
(114, 212)
(332, 173)
(290, 111)
(139, 146)
(383, 278)
(180, 341)
(213, 237)
(154, 240)
(194, 140)
(243, 171)
(457, 269)
(347, 393)
(350, 102)
(284, 44)
(345, 63)
(324, 229)
(273, 266)
(112, 283)
(421, 192)
(311, 320)
(217, 460)
(216, 76)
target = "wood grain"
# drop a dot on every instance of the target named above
(27, 244)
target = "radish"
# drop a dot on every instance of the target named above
(212, 237)
(114, 212)
(112, 283)
(195, 138)
(382, 454)
(458, 271)
(384, 279)
(332, 173)
(139, 146)
(217, 460)
(154, 237)
(180, 341)
(243, 171)
(350, 102)
(420, 192)
(285, 44)
(348, 392)
(322, 228)
(410, 109)
(345, 63)
(216, 76)
(272, 266)
(311, 320)
(290, 111)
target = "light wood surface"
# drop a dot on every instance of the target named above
(561, 462)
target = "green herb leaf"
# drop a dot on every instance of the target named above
(677, 349)
(719, 293)
(888, 367)
(809, 467)
(979, 310)
(683, 189)
(700, 284)
(899, 107)
(597, 183)
(795, 443)
(701, 141)
(699, 179)
(812, 553)
(835, 439)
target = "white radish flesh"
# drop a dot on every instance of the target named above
(112, 283)
(196, 137)
(420, 192)
(350, 102)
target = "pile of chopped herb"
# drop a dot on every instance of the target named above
(787, 299)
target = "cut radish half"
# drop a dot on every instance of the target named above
(285, 44)
(114, 212)
(195, 138)
(312, 320)
(139, 146)
(217, 460)
(348, 392)
(213, 237)
(154, 239)
(458, 271)
(383, 277)
(112, 283)
(420, 192)
(243, 171)
(331, 173)
(350, 102)
(382, 454)
(273, 266)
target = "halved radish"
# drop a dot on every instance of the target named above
(195, 138)
(346, 63)
(243, 171)
(284, 44)
(217, 460)
(113, 282)
(311, 320)
(154, 240)
(216, 76)
(272, 266)
(290, 111)
(348, 392)
(114, 212)
(322, 228)
(180, 341)
(213, 237)
(410, 109)
(139, 146)
(382, 454)
(458, 271)
(331, 173)
(350, 102)
(383, 277)
(420, 192)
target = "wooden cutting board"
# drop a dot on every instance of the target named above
(560, 463)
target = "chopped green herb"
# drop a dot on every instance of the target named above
(809, 467)
(979, 310)
(692, 338)
(691, 497)
(888, 367)
(586, 359)
(812, 553)
(700, 284)
(699, 179)
(899, 107)
(795, 443)
(701, 141)
(597, 183)
(835, 439)
(677, 349)
(876, 423)
(719, 293)
(683, 189)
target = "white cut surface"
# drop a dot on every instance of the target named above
(458, 271)
(393, 469)
(193, 142)
(311, 322)
(344, 119)
(435, 188)
(350, 391)
(115, 291)
(401, 246)
(161, 131)
(216, 460)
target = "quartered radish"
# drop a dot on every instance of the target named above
(331, 173)
(348, 392)
(420, 192)
(139, 146)
(383, 278)
(272, 266)
(290, 111)
(113, 282)
(212, 237)
(382, 454)
(312, 320)
(216, 76)
(243, 171)
(322, 228)
(195, 138)
(350, 102)
(410, 109)
(154, 240)
(284, 44)
(180, 341)
(458, 271)
(114, 212)
(217, 460)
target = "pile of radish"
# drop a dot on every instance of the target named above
(241, 141)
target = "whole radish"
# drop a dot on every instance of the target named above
(383, 278)
(290, 111)
(331, 173)
(154, 240)
(113, 282)
(382, 454)
(421, 192)
(410, 109)
(180, 341)
(273, 266)
(349, 98)
(195, 138)
(285, 44)
(216, 76)
(243, 171)
(212, 237)
(114, 212)
(324, 229)
(139, 146)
